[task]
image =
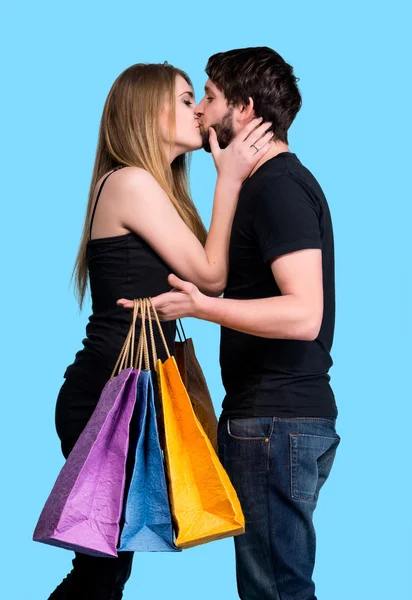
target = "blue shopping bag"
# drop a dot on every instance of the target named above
(147, 516)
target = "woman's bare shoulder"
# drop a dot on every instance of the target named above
(128, 179)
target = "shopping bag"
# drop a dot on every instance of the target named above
(204, 503)
(195, 383)
(147, 519)
(83, 510)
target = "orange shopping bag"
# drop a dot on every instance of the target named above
(204, 503)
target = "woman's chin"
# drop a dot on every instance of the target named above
(194, 146)
(190, 146)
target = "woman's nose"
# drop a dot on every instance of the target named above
(199, 109)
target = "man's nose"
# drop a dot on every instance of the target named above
(199, 109)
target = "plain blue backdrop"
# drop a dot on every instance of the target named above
(354, 132)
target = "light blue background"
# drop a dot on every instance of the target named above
(354, 133)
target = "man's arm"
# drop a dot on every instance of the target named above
(296, 315)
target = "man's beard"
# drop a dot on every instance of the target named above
(224, 131)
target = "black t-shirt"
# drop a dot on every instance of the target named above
(281, 209)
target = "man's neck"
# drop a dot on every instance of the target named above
(275, 149)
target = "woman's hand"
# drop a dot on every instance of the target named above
(241, 155)
(185, 300)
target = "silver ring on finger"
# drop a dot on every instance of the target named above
(255, 147)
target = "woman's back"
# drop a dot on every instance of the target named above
(122, 266)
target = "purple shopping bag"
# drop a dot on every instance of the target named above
(84, 508)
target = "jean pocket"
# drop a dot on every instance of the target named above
(250, 429)
(311, 460)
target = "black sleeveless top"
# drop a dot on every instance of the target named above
(123, 266)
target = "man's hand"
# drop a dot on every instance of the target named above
(185, 300)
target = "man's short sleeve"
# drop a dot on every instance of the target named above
(286, 219)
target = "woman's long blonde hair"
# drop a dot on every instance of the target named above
(130, 135)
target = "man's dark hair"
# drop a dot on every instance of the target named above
(262, 74)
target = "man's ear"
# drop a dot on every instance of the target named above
(244, 113)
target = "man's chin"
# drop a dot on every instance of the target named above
(224, 137)
(205, 141)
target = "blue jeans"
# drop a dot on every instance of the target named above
(277, 466)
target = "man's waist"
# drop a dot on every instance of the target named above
(315, 398)
(272, 380)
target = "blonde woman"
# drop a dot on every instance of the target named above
(140, 225)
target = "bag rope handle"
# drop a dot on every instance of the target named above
(143, 350)
(162, 335)
(124, 352)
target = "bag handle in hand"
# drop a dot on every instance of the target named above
(145, 305)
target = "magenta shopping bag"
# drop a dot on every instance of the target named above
(84, 508)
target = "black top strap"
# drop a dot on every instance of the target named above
(98, 196)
